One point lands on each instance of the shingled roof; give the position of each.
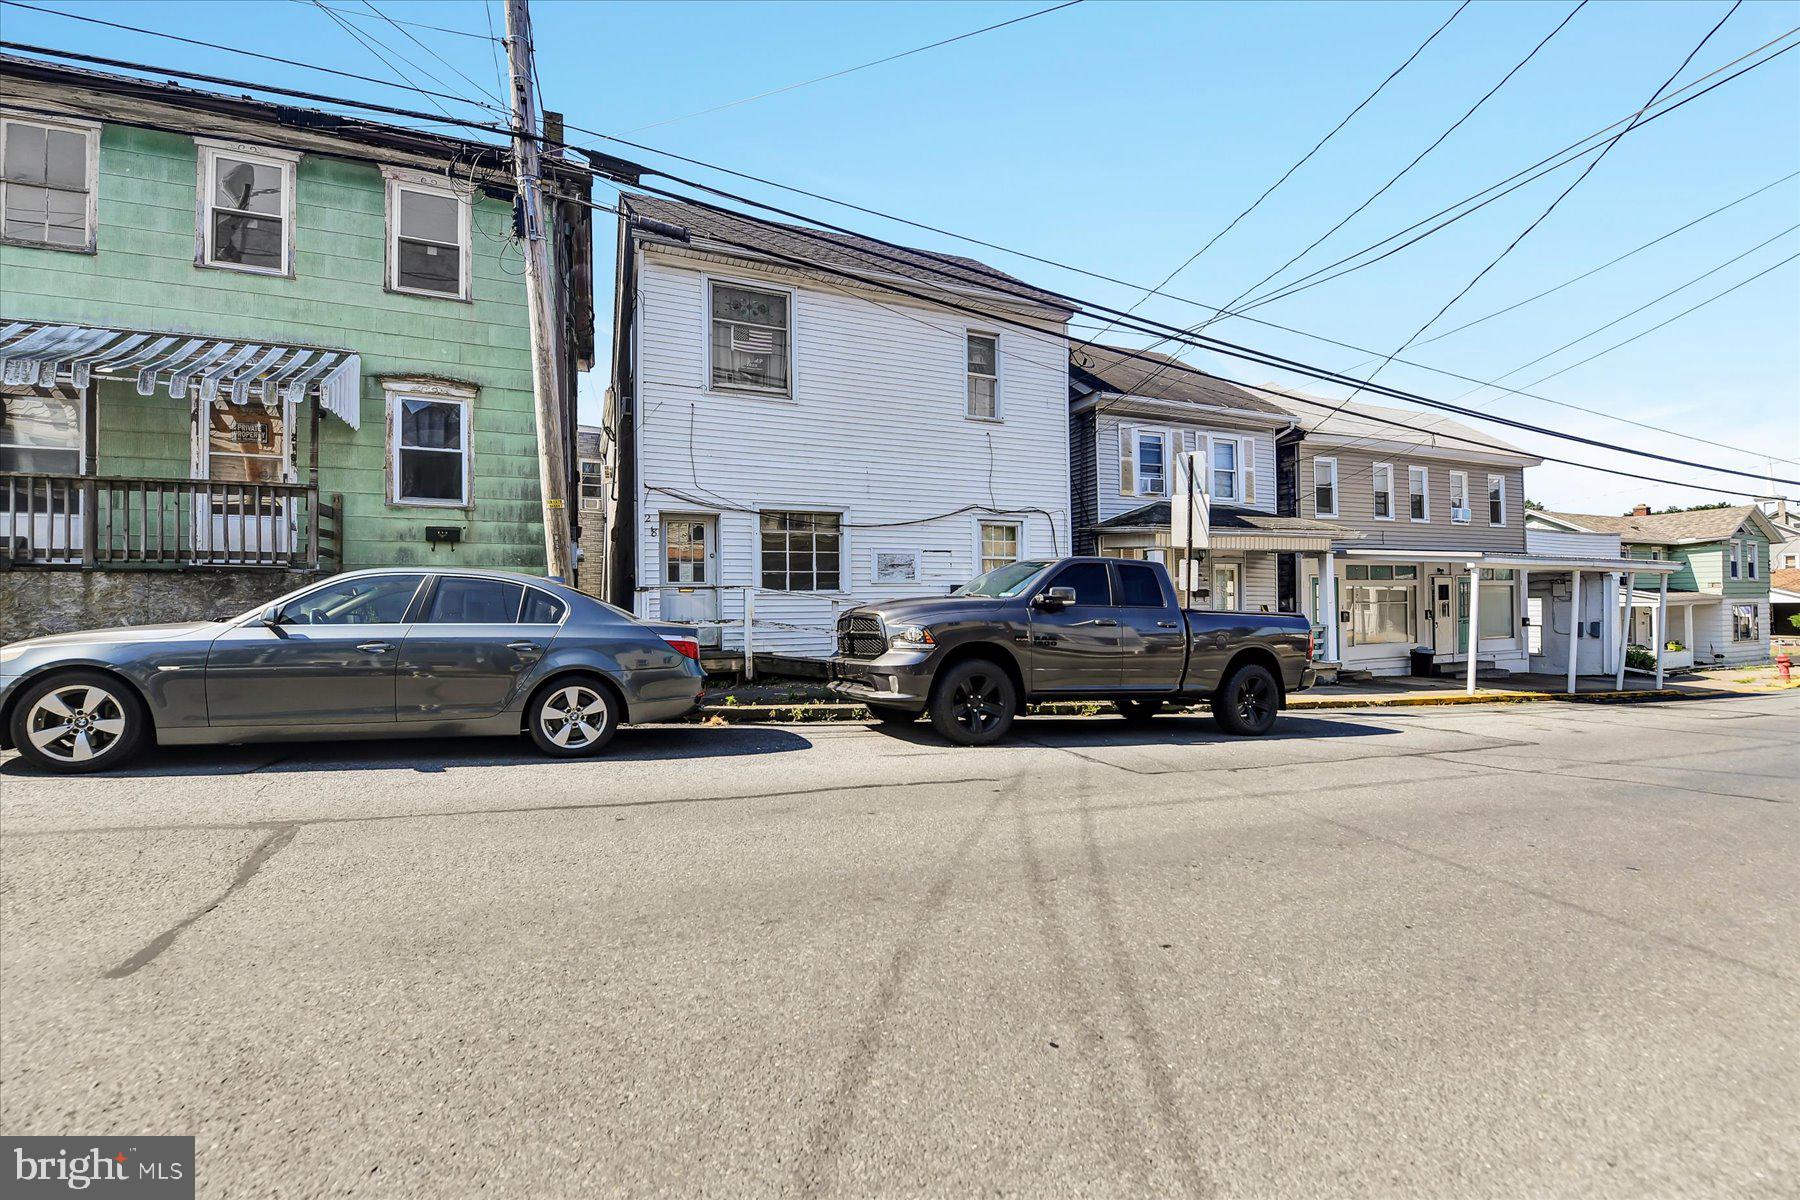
(732, 233)
(1701, 525)
(1161, 377)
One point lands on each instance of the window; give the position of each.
(1224, 469)
(1152, 458)
(466, 601)
(358, 600)
(1325, 477)
(1752, 553)
(1225, 587)
(1089, 581)
(800, 551)
(984, 376)
(1496, 499)
(684, 550)
(428, 228)
(1498, 620)
(541, 608)
(246, 443)
(593, 485)
(1418, 493)
(246, 209)
(1744, 623)
(47, 182)
(429, 439)
(1139, 586)
(40, 431)
(749, 339)
(1379, 573)
(1383, 480)
(1734, 560)
(1459, 497)
(1381, 614)
(999, 544)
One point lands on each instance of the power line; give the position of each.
(382, 58)
(350, 12)
(1043, 12)
(423, 46)
(1298, 163)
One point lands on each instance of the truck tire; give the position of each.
(1138, 712)
(1247, 701)
(973, 703)
(891, 716)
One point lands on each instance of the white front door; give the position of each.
(690, 572)
(242, 446)
(1448, 595)
(1225, 596)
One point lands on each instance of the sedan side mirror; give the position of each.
(1055, 598)
(271, 616)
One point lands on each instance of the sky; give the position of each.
(1120, 138)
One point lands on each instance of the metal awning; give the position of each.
(223, 369)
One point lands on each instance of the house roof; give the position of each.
(865, 256)
(1701, 525)
(1225, 519)
(1161, 377)
(1785, 580)
(1374, 423)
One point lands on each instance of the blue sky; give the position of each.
(1120, 137)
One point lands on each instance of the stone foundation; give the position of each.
(36, 602)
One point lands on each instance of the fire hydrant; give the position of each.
(1785, 666)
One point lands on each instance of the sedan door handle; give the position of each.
(375, 647)
(522, 647)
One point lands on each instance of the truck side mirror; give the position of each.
(1055, 598)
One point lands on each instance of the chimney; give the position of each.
(1642, 510)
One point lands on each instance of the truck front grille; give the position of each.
(860, 637)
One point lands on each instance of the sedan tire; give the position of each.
(572, 717)
(78, 721)
(973, 703)
(1247, 702)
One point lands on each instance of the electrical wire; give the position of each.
(366, 44)
(427, 49)
(350, 12)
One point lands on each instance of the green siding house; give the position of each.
(242, 343)
(1718, 602)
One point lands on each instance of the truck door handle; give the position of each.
(522, 647)
(375, 647)
(1165, 624)
(1101, 621)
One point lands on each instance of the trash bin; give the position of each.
(1422, 658)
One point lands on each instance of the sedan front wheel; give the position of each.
(78, 721)
(572, 718)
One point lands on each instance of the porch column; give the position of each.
(1328, 603)
(1624, 631)
(1687, 621)
(1662, 631)
(1474, 619)
(1574, 624)
(1521, 626)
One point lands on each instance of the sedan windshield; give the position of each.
(1002, 583)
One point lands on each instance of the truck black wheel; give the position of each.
(1138, 712)
(891, 716)
(973, 703)
(1247, 702)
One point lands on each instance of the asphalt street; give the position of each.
(1540, 950)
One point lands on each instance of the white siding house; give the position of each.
(795, 443)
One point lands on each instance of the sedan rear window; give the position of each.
(463, 601)
(541, 608)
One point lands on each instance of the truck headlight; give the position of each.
(911, 637)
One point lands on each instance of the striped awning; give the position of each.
(221, 370)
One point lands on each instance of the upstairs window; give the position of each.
(1418, 493)
(1496, 485)
(1459, 497)
(1752, 558)
(1382, 479)
(1152, 464)
(246, 210)
(1225, 469)
(428, 231)
(1325, 478)
(47, 183)
(750, 339)
(984, 376)
(1735, 558)
(593, 485)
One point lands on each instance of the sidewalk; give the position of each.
(794, 701)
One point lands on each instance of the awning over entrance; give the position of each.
(223, 370)
(1234, 529)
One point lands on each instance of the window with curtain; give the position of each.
(749, 338)
(1744, 623)
(1459, 497)
(1224, 469)
(1382, 481)
(430, 450)
(1152, 456)
(999, 544)
(1382, 614)
(40, 431)
(1418, 494)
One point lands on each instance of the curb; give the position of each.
(827, 712)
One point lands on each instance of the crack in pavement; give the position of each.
(264, 851)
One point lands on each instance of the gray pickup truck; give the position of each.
(1075, 628)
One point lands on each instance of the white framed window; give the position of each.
(1227, 469)
(1735, 560)
(1459, 497)
(49, 182)
(246, 208)
(1325, 480)
(1382, 501)
(751, 338)
(428, 251)
(429, 438)
(1499, 594)
(1152, 463)
(801, 551)
(983, 362)
(1000, 544)
(1418, 493)
(593, 485)
(41, 430)
(1752, 559)
(1496, 488)
(1744, 622)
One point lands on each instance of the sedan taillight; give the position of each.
(684, 646)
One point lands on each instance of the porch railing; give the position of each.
(114, 521)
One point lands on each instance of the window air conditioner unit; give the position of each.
(1459, 514)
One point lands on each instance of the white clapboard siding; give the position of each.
(1182, 437)
(875, 430)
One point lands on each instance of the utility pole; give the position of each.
(540, 294)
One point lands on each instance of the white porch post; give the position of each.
(1687, 619)
(1624, 630)
(1662, 632)
(1474, 620)
(1328, 601)
(1574, 624)
(750, 633)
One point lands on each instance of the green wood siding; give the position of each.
(144, 277)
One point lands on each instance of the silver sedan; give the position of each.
(384, 654)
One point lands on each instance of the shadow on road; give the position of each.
(433, 755)
(1062, 732)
